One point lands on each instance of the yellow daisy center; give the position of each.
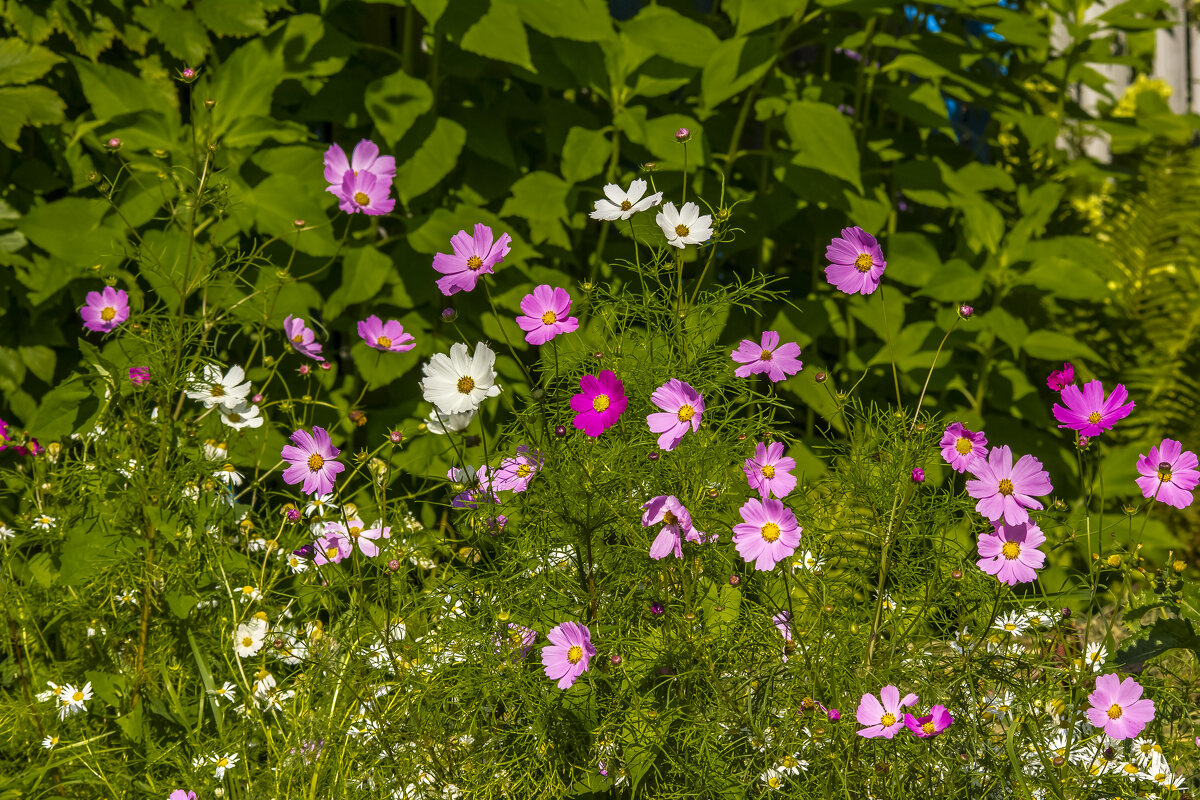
(474, 263)
(887, 719)
(315, 462)
(1010, 550)
(686, 412)
(361, 198)
(549, 318)
(222, 762)
(670, 518)
(466, 384)
(575, 654)
(1006, 487)
(1094, 417)
(768, 471)
(626, 205)
(770, 532)
(928, 728)
(864, 262)
(1114, 711)
(601, 402)
(108, 313)
(681, 230)
(77, 697)
(963, 445)
(384, 341)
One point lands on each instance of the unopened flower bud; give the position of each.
(1114, 560)
(209, 103)
(293, 514)
(92, 177)
(113, 144)
(734, 580)
(1066, 613)
(965, 311)
(653, 455)
(393, 565)
(723, 213)
(449, 315)
(188, 74)
(1083, 442)
(560, 430)
(1179, 565)
(649, 166)
(298, 224)
(713, 494)
(820, 377)
(615, 660)
(918, 475)
(834, 715)
(396, 437)
(304, 369)
(683, 136)
(957, 574)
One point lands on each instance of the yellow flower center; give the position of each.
(77, 697)
(549, 318)
(601, 402)
(315, 462)
(770, 532)
(626, 205)
(361, 198)
(681, 230)
(963, 445)
(1006, 487)
(474, 263)
(1131, 769)
(774, 782)
(355, 531)
(523, 471)
(247, 590)
(765, 355)
(864, 262)
(887, 720)
(768, 471)
(222, 762)
(384, 341)
(928, 728)
(108, 313)
(670, 518)
(1094, 417)
(466, 384)
(1164, 475)
(1114, 711)
(247, 641)
(575, 654)
(1010, 550)
(686, 412)
(331, 552)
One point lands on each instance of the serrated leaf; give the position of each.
(237, 94)
(824, 139)
(179, 31)
(395, 102)
(667, 33)
(499, 35)
(112, 92)
(22, 63)
(232, 17)
(1164, 635)
(27, 105)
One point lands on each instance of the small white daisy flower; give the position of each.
(43, 522)
(49, 742)
(214, 450)
(249, 637)
(229, 475)
(222, 763)
(226, 691)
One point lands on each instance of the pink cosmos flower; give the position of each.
(767, 534)
(676, 526)
(1060, 379)
(600, 403)
(783, 624)
(768, 356)
(518, 642)
(936, 721)
(961, 448)
(139, 376)
(883, 718)
(1117, 707)
(856, 262)
(769, 472)
(366, 193)
(355, 533)
(311, 456)
(1011, 552)
(386, 336)
(478, 483)
(301, 337)
(331, 549)
(682, 407)
(180, 794)
(1005, 491)
(567, 655)
(1088, 412)
(365, 158)
(105, 310)
(1168, 474)
(473, 256)
(515, 473)
(547, 314)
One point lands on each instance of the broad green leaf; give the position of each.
(237, 95)
(734, 66)
(1053, 346)
(27, 105)
(282, 198)
(40, 360)
(911, 258)
(983, 222)
(364, 271)
(954, 282)
(395, 102)
(499, 35)
(579, 20)
(431, 10)
(22, 63)
(538, 195)
(58, 411)
(754, 14)
(1165, 635)
(667, 33)
(232, 17)
(72, 229)
(113, 92)
(179, 31)
(585, 154)
(824, 139)
(433, 160)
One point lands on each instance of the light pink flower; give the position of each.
(181, 794)
(301, 337)
(883, 718)
(1005, 491)
(365, 158)
(961, 447)
(332, 549)
(479, 490)
(1118, 707)
(311, 456)
(386, 336)
(768, 356)
(473, 256)
(682, 407)
(676, 526)
(567, 655)
(547, 314)
(767, 534)
(1011, 552)
(356, 533)
(105, 310)
(365, 192)
(769, 472)
(1168, 474)
(515, 473)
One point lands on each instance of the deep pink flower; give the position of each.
(1011, 552)
(301, 337)
(367, 193)
(767, 534)
(768, 356)
(1088, 412)
(1117, 707)
(600, 403)
(883, 718)
(515, 473)
(856, 262)
(311, 456)
(936, 721)
(139, 376)
(918, 475)
(769, 472)
(332, 549)
(547, 314)
(386, 336)
(1168, 474)
(1060, 379)
(180, 794)
(682, 407)
(473, 256)
(1005, 491)
(567, 655)
(105, 310)
(676, 526)
(961, 448)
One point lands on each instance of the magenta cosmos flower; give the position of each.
(473, 256)
(363, 183)
(566, 657)
(682, 406)
(1168, 474)
(139, 376)
(1118, 707)
(386, 336)
(1011, 552)
(1088, 412)
(105, 310)
(884, 718)
(767, 534)
(1060, 379)
(1005, 491)
(856, 262)
(311, 456)
(769, 472)
(930, 725)
(961, 448)
(182, 794)
(676, 526)
(301, 337)
(600, 403)
(768, 356)
(547, 314)
(515, 473)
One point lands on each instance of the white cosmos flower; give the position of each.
(685, 226)
(214, 389)
(244, 416)
(442, 423)
(250, 636)
(459, 382)
(622, 205)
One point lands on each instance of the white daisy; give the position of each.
(296, 564)
(264, 682)
(459, 382)
(229, 475)
(1094, 656)
(791, 765)
(214, 450)
(772, 779)
(49, 742)
(249, 594)
(250, 636)
(1012, 622)
(214, 389)
(808, 561)
(6, 532)
(126, 598)
(226, 691)
(320, 504)
(43, 522)
(1145, 751)
(685, 226)
(222, 763)
(441, 423)
(622, 205)
(245, 415)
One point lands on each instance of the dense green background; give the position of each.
(818, 115)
